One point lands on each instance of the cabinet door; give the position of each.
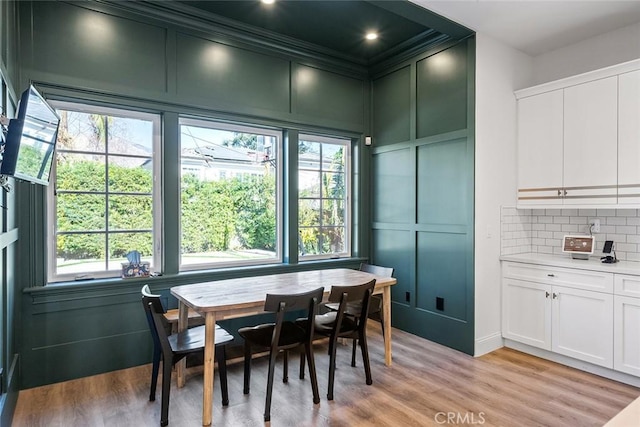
(540, 149)
(526, 312)
(629, 138)
(590, 142)
(582, 325)
(626, 340)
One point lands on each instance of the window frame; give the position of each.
(156, 194)
(348, 226)
(280, 230)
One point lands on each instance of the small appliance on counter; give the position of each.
(580, 247)
(607, 249)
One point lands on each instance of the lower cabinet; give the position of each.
(573, 322)
(582, 325)
(627, 334)
(526, 312)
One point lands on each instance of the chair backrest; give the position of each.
(152, 304)
(354, 300)
(280, 304)
(290, 302)
(376, 269)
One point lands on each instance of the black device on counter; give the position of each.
(608, 247)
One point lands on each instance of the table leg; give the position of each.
(183, 323)
(386, 318)
(209, 357)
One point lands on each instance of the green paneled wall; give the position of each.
(346, 101)
(214, 75)
(391, 102)
(394, 186)
(442, 178)
(423, 182)
(79, 44)
(441, 98)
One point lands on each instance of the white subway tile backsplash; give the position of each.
(542, 230)
(582, 220)
(626, 212)
(606, 212)
(587, 212)
(569, 212)
(626, 247)
(616, 220)
(626, 229)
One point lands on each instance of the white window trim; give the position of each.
(244, 128)
(52, 274)
(345, 142)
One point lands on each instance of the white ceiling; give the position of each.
(536, 26)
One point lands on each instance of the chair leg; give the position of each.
(157, 354)
(247, 367)
(272, 367)
(382, 325)
(302, 366)
(221, 356)
(285, 367)
(353, 353)
(312, 372)
(332, 366)
(166, 389)
(365, 356)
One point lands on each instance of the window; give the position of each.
(323, 189)
(229, 212)
(102, 198)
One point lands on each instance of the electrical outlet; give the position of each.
(595, 226)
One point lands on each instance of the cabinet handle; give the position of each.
(551, 275)
(546, 294)
(565, 192)
(555, 295)
(559, 192)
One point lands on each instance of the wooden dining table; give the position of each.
(230, 298)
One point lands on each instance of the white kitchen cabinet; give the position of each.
(526, 312)
(582, 325)
(626, 335)
(629, 138)
(578, 140)
(590, 142)
(563, 319)
(626, 324)
(540, 152)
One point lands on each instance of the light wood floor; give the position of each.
(426, 384)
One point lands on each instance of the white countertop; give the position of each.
(628, 417)
(593, 263)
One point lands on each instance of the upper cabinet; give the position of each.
(579, 140)
(629, 138)
(540, 148)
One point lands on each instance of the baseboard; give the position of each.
(488, 344)
(575, 363)
(9, 400)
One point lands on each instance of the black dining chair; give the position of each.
(283, 335)
(349, 320)
(171, 348)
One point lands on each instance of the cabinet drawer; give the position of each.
(627, 285)
(570, 277)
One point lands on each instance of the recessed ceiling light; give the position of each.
(268, 1)
(371, 35)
